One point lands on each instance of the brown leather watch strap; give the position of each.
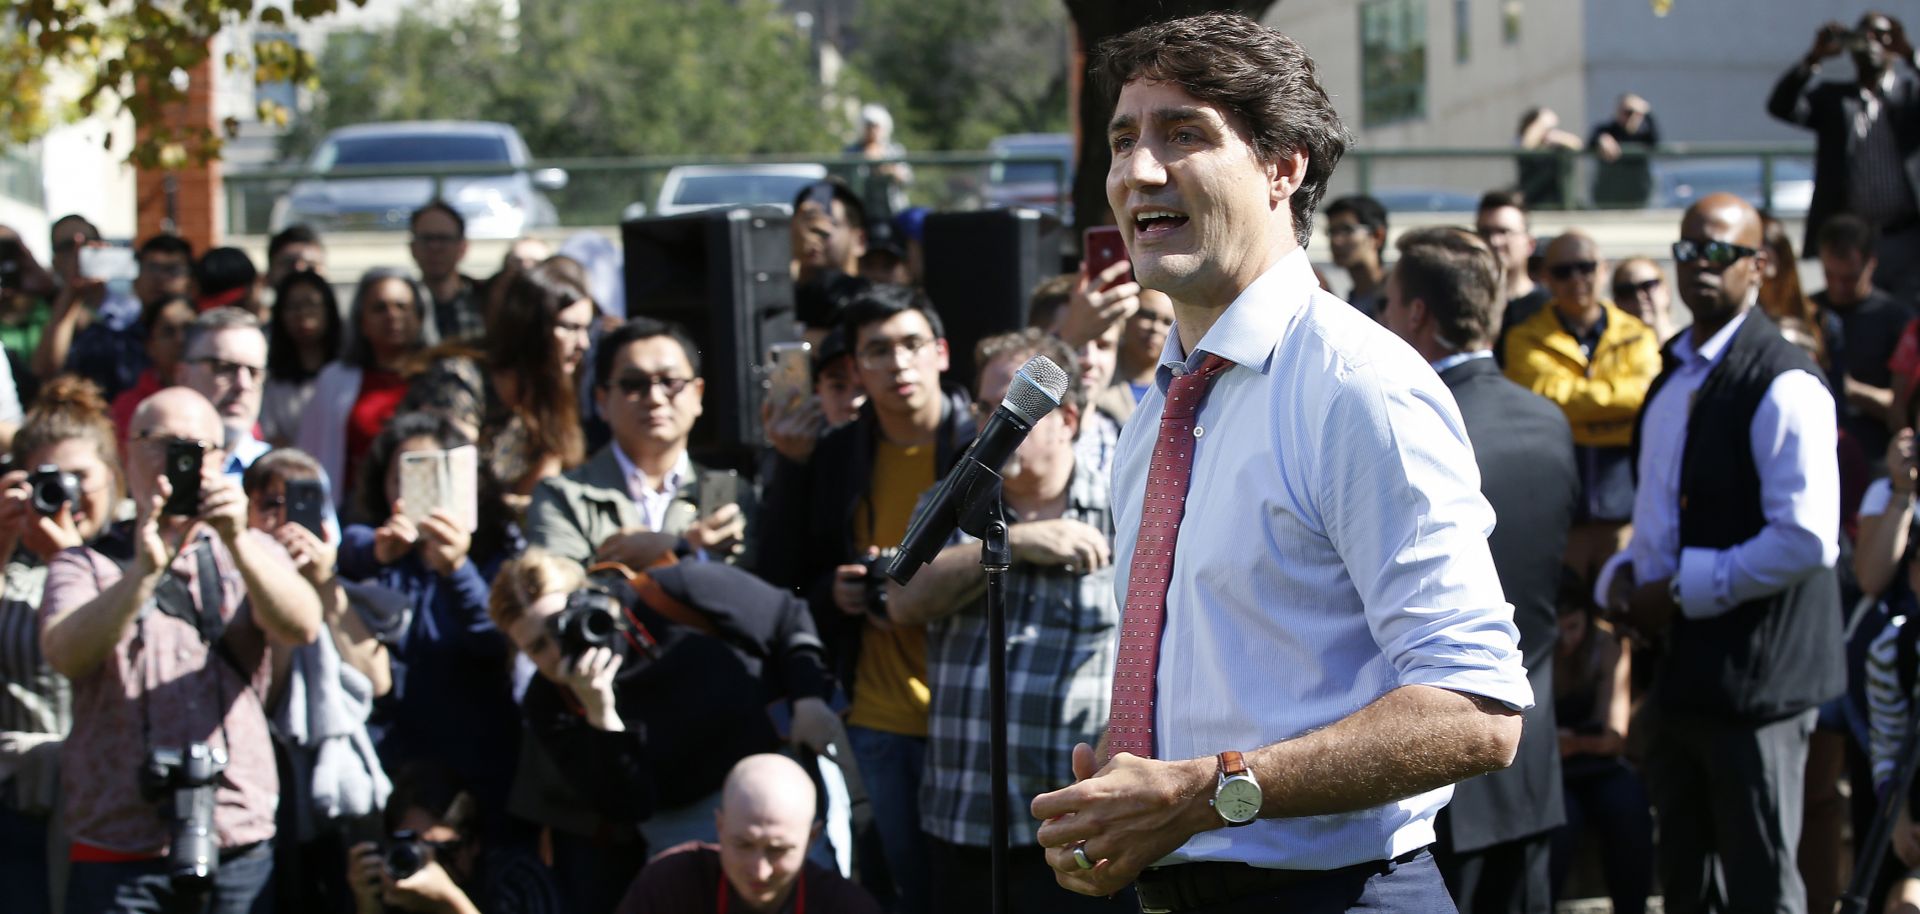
(1231, 764)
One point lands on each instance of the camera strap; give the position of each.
(172, 597)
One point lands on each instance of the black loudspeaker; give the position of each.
(980, 269)
(721, 274)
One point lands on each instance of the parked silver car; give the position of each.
(495, 206)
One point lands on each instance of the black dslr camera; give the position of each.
(876, 580)
(182, 782)
(592, 618)
(50, 487)
(406, 854)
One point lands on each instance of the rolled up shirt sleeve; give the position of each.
(1411, 525)
(1794, 443)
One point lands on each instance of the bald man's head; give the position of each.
(765, 823)
(1573, 268)
(173, 414)
(1721, 260)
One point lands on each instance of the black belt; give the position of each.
(1187, 886)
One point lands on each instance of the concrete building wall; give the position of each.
(1708, 65)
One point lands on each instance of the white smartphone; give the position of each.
(442, 481)
(789, 373)
(108, 263)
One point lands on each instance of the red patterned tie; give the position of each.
(1130, 728)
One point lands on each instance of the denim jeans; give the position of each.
(890, 766)
(142, 887)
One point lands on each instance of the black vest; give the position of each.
(1777, 655)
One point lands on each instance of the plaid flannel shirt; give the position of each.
(1062, 632)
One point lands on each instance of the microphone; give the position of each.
(1037, 388)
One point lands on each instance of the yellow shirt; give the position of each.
(890, 682)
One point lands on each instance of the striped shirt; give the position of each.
(1061, 632)
(1886, 697)
(36, 699)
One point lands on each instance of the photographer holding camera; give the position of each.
(62, 496)
(650, 687)
(168, 772)
(436, 857)
(1866, 155)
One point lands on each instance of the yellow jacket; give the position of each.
(1601, 396)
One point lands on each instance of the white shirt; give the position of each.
(1794, 446)
(653, 501)
(1334, 549)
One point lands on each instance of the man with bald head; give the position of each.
(1595, 361)
(765, 822)
(1735, 538)
(164, 627)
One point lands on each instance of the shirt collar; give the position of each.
(1461, 358)
(682, 468)
(1716, 345)
(1250, 329)
(244, 453)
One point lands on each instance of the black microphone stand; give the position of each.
(982, 514)
(1870, 852)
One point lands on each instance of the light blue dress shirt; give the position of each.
(1333, 549)
(1794, 440)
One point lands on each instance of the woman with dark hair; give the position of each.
(163, 324)
(302, 336)
(451, 700)
(68, 431)
(529, 394)
(391, 319)
(1782, 298)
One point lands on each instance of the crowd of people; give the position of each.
(421, 601)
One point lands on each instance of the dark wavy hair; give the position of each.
(283, 354)
(520, 345)
(1259, 76)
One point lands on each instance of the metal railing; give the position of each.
(601, 191)
(1770, 175)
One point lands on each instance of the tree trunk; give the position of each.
(1095, 21)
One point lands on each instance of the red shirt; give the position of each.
(380, 393)
(686, 879)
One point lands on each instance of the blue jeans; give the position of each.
(890, 766)
(142, 887)
(1608, 797)
(23, 862)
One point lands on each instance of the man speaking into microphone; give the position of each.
(1314, 643)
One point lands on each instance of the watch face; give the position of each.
(1238, 800)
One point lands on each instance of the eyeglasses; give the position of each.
(879, 354)
(636, 386)
(1567, 270)
(1632, 289)
(436, 238)
(572, 329)
(225, 370)
(1346, 228)
(168, 441)
(163, 269)
(1715, 253)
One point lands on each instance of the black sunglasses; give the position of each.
(1715, 253)
(1631, 289)
(1567, 270)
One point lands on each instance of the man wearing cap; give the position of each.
(637, 499)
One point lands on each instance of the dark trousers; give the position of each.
(1730, 797)
(1413, 887)
(1606, 798)
(143, 887)
(23, 862)
(961, 879)
(1512, 877)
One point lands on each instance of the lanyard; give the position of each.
(799, 894)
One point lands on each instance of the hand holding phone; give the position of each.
(108, 263)
(306, 501)
(1104, 248)
(183, 466)
(789, 373)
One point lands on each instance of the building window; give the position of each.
(1393, 54)
(1462, 31)
(1510, 21)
